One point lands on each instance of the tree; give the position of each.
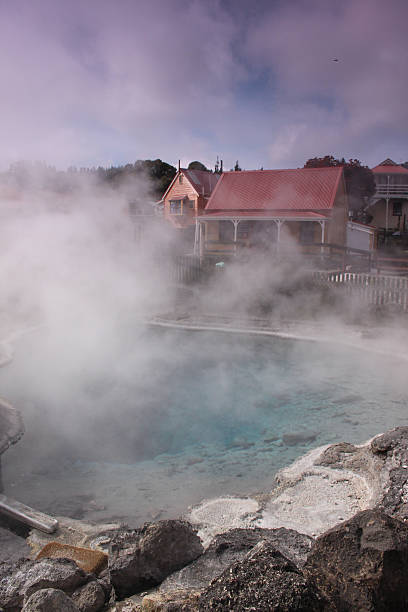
(196, 165)
(360, 184)
(236, 167)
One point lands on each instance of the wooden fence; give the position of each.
(374, 289)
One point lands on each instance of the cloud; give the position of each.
(97, 82)
(342, 106)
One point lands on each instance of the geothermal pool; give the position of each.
(155, 420)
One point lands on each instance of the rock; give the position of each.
(11, 425)
(90, 597)
(142, 558)
(49, 600)
(104, 581)
(301, 437)
(390, 440)
(232, 546)
(362, 564)
(27, 577)
(263, 580)
(392, 447)
(172, 601)
(335, 454)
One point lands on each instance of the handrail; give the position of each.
(390, 190)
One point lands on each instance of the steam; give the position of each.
(98, 387)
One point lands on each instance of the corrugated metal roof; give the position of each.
(387, 168)
(281, 190)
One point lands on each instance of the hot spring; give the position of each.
(164, 418)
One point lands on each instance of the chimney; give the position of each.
(221, 166)
(179, 166)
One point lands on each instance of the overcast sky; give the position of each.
(97, 82)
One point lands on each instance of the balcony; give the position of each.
(391, 191)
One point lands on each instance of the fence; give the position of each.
(374, 289)
(186, 269)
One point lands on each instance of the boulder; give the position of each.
(49, 600)
(263, 580)
(27, 577)
(90, 597)
(232, 546)
(142, 558)
(362, 564)
(392, 447)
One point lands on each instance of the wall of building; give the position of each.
(336, 232)
(181, 190)
(378, 212)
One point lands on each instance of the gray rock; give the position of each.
(263, 580)
(27, 577)
(232, 546)
(49, 600)
(390, 440)
(362, 564)
(90, 597)
(335, 454)
(392, 447)
(104, 581)
(142, 558)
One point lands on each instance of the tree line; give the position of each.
(359, 179)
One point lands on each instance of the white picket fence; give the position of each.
(375, 289)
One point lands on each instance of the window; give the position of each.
(307, 231)
(176, 207)
(189, 203)
(243, 230)
(397, 209)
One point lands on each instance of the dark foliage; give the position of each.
(196, 165)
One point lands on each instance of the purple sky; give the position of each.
(98, 82)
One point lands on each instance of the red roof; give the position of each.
(304, 189)
(389, 167)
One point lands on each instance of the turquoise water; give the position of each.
(183, 415)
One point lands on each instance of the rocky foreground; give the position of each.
(332, 536)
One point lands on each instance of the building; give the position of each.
(263, 208)
(187, 196)
(388, 207)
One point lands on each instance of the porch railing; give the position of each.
(391, 191)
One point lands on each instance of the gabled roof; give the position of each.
(388, 166)
(303, 189)
(201, 181)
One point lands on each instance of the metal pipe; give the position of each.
(27, 515)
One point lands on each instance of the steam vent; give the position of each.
(11, 429)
